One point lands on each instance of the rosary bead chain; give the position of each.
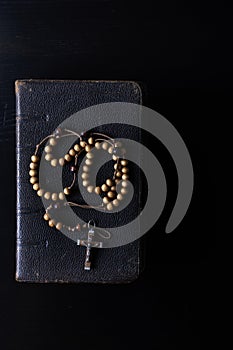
(68, 156)
(77, 228)
(108, 189)
(54, 162)
(41, 192)
(58, 224)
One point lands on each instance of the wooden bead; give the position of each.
(86, 168)
(72, 152)
(87, 148)
(48, 149)
(91, 140)
(48, 157)
(113, 188)
(61, 161)
(78, 227)
(109, 206)
(85, 176)
(53, 162)
(77, 148)
(32, 172)
(117, 166)
(117, 181)
(114, 157)
(105, 145)
(61, 196)
(40, 192)
(124, 162)
(36, 186)
(47, 195)
(33, 180)
(85, 183)
(88, 161)
(98, 145)
(66, 191)
(119, 197)
(33, 166)
(106, 200)
(115, 202)
(59, 226)
(124, 190)
(46, 216)
(97, 190)
(34, 158)
(82, 144)
(90, 189)
(104, 188)
(51, 223)
(111, 194)
(90, 155)
(117, 144)
(118, 173)
(109, 182)
(124, 170)
(110, 150)
(54, 196)
(125, 176)
(124, 184)
(68, 157)
(52, 142)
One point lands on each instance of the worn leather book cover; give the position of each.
(43, 255)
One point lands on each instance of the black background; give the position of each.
(179, 51)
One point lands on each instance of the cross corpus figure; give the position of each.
(89, 243)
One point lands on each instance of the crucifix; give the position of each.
(89, 243)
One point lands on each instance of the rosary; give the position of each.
(112, 191)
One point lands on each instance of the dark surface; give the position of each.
(180, 51)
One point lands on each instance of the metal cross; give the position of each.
(89, 243)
